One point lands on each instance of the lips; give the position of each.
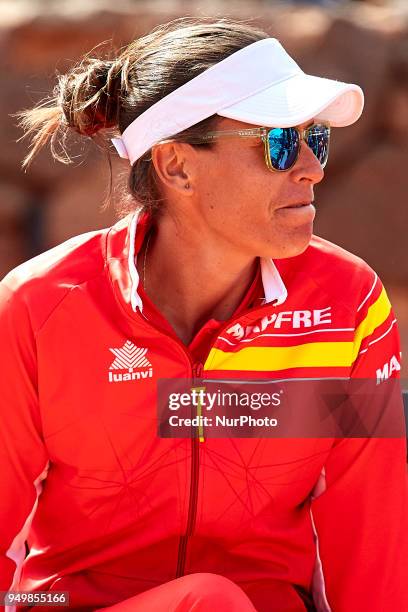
(297, 205)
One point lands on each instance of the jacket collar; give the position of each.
(123, 243)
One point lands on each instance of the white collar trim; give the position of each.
(274, 287)
(135, 299)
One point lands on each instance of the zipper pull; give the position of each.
(198, 370)
(197, 377)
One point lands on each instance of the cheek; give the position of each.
(239, 181)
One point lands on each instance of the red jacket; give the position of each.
(110, 509)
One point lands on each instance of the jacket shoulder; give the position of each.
(342, 276)
(322, 252)
(42, 282)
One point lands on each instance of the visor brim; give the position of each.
(299, 99)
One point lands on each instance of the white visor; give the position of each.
(259, 84)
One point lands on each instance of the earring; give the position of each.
(187, 186)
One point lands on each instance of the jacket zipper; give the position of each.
(197, 370)
(193, 496)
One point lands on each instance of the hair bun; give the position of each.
(89, 95)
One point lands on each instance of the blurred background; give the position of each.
(362, 204)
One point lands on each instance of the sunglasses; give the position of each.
(281, 145)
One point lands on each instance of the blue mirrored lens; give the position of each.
(283, 147)
(318, 141)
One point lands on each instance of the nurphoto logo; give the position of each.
(132, 362)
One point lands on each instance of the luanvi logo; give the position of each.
(132, 359)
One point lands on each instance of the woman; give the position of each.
(214, 274)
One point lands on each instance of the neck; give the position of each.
(191, 278)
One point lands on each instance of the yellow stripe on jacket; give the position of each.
(263, 359)
(376, 315)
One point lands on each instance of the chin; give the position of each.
(293, 245)
(299, 248)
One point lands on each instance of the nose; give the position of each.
(307, 167)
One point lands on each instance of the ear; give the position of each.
(174, 165)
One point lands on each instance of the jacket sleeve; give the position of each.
(23, 457)
(360, 510)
